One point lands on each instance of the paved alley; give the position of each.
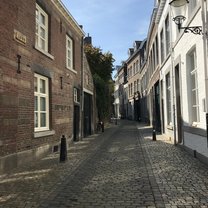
(121, 167)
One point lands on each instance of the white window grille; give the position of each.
(41, 38)
(41, 103)
(193, 87)
(69, 53)
(168, 99)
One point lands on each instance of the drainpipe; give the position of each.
(82, 87)
(204, 7)
(173, 79)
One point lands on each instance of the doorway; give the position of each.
(178, 104)
(87, 114)
(157, 107)
(76, 122)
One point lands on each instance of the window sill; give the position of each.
(44, 52)
(169, 127)
(74, 71)
(194, 124)
(44, 133)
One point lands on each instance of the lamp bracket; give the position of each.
(197, 30)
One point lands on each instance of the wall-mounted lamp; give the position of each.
(179, 8)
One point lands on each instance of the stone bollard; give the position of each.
(63, 149)
(153, 135)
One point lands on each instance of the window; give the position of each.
(162, 46)
(168, 99)
(156, 48)
(129, 90)
(167, 34)
(154, 56)
(153, 60)
(69, 53)
(134, 69)
(193, 87)
(41, 38)
(137, 66)
(135, 86)
(87, 79)
(76, 95)
(138, 84)
(41, 105)
(191, 6)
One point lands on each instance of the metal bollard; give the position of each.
(63, 150)
(153, 135)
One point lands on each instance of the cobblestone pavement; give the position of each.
(182, 179)
(122, 167)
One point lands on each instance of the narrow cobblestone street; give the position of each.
(122, 167)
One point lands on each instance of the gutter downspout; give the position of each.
(205, 45)
(173, 78)
(82, 88)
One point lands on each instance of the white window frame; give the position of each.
(40, 26)
(76, 94)
(69, 54)
(194, 102)
(162, 46)
(168, 99)
(167, 35)
(38, 111)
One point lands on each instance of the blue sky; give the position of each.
(113, 24)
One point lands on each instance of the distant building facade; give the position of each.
(173, 80)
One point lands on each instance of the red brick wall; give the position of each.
(17, 90)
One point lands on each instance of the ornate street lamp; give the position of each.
(179, 8)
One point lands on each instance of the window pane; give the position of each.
(36, 13)
(194, 114)
(42, 86)
(42, 44)
(42, 19)
(193, 98)
(42, 33)
(42, 119)
(36, 103)
(193, 82)
(69, 54)
(69, 44)
(36, 28)
(192, 62)
(42, 104)
(35, 84)
(69, 63)
(36, 120)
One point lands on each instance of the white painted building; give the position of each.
(182, 76)
(188, 68)
(174, 79)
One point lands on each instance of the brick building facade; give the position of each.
(41, 69)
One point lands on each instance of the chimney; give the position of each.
(88, 40)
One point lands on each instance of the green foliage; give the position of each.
(101, 65)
